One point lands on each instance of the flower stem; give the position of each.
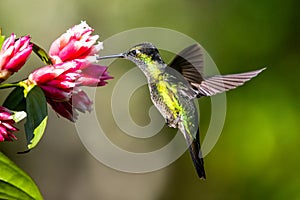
(9, 85)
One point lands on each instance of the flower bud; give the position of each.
(76, 43)
(13, 55)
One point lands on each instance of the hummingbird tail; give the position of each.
(221, 83)
(196, 154)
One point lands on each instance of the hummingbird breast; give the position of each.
(166, 102)
(168, 98)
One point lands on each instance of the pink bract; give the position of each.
(13, 55)
(77, 43)
(6, 125)
(60, 83)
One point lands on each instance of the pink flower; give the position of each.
(13, 55)
(60, 84)
(71, 69)
(76, 43)
(93, 75)
(68, 109)
(6, 125)
(57, 81)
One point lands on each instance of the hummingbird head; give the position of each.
(145, 56)
(141, 54)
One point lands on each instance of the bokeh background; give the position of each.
(257, 155)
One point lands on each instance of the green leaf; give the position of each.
(2, 38)
(16, 100)
(33, 101)
(38, 133)
(37, 115)
(42, 54)
(15, 183)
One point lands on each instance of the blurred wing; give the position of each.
(218, 84)
(189, 62)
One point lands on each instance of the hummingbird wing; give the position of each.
(218, 83)
(189, 62)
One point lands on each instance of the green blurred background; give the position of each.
(257, 155)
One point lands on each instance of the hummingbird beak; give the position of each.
(121, 55)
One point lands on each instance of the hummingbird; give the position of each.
(173, 88)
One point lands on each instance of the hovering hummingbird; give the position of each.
(174, 87)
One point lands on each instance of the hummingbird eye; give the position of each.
(133, 52)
